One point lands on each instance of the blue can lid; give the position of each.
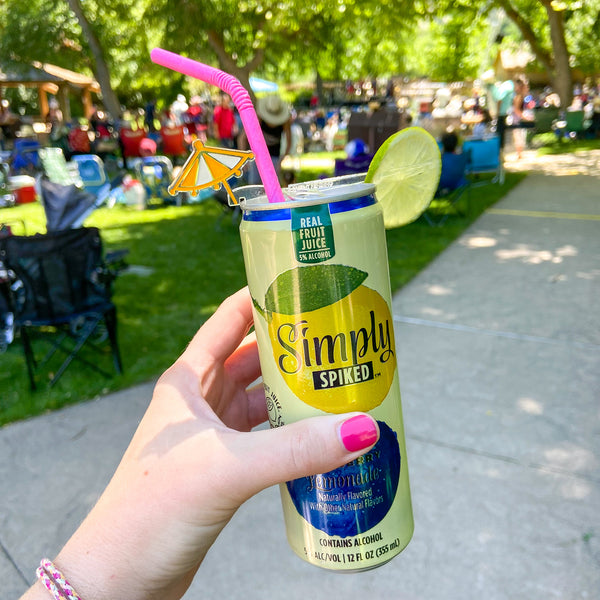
(285, 214)
(341, 194)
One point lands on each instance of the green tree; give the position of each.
(542, 25)
(287, 37)
(102, 38)
(552, 29)
(98, 59)
(583, 36)
(449, 47)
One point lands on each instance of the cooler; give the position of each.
(23, 188)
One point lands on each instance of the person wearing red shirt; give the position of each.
(224, 122)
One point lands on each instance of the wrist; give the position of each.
(96, 560)
(94, 574)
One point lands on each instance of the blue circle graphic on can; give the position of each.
(354, 498)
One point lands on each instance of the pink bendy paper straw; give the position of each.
(241, 99)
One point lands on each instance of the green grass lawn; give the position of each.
(185, 261)
(548, 143)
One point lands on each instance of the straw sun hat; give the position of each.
(272, 110)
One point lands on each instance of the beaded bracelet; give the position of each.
(55, 581)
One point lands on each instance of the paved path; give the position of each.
(499, 359)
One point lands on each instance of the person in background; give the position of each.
(100, 123)
(191, 464)
(275, 121)
(224, 124)
(10, 123)
(519, 115)
(482, 128)
(453, 163)
(502, 93)
(54, 117)
(147, 147)
(196, 118)
(58, 128)
(78, 139)
(178, 109)
(150, 115)
(594, 128)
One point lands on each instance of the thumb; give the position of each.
(307, 447)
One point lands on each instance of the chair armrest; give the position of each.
(113, 264)
(115, 256)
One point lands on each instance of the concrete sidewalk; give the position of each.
(499, 360)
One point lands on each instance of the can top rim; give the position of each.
(300, 195)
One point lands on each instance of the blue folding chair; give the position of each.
(25, 157)
(453, 183)
(84, 173)
(484, 157)
(156, 174)
(92, 173)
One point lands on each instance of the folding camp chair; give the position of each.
(70, 192)
(57, 169)
(156, 174)
(453, 184)
(64, 294)
(572, 125)
(65, 206)
(544, 120)
(92, 173)
(130, 143)
(24, 158)
(484, 157)
(173, 142)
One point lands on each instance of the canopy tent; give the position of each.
(262, 85)
(509, 64)
(50, 79)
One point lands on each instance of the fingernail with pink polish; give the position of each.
(358, 432)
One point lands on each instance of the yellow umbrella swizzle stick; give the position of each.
(209, 166)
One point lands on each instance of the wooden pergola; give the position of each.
(50, 79)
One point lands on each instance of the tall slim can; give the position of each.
(317, 270)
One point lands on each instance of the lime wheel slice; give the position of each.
(406, 171)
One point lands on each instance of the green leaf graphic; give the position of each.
(303, 289)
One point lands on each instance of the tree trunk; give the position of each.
(101, 71)
(562, 80)
(556, 63)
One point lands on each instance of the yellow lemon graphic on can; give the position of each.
(332, 337)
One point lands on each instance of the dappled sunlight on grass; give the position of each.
(562, 159)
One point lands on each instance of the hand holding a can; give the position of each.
(192, 462)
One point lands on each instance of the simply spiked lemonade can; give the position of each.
(317, 271)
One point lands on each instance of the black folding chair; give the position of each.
(63, 288)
